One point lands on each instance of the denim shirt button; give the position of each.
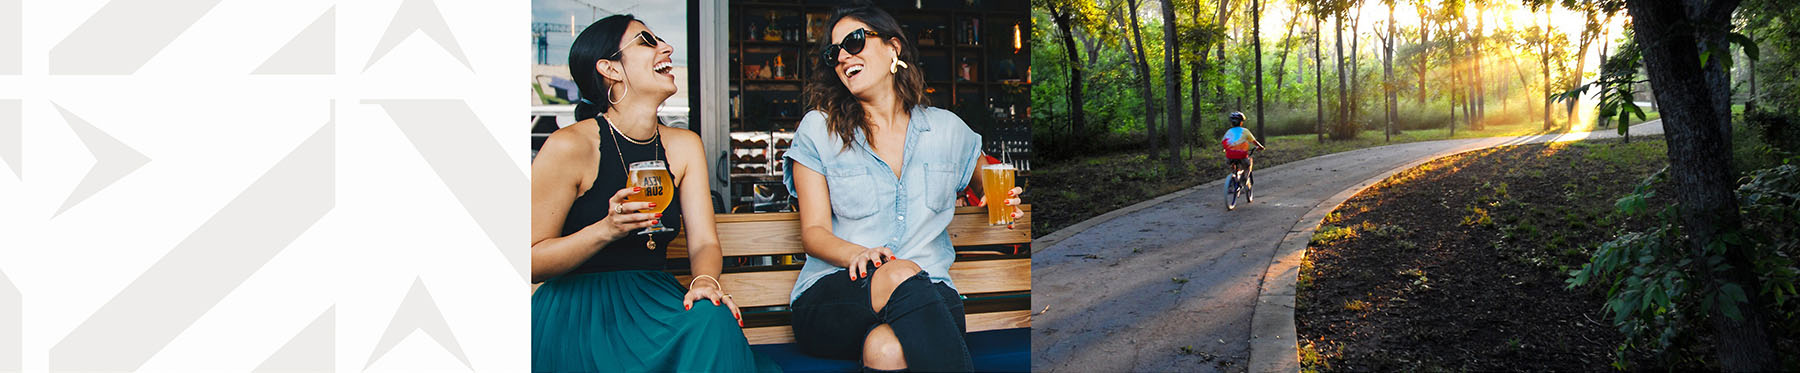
(902, 217)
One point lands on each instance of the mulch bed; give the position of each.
(1460, 264)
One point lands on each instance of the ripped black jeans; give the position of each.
(832, 317)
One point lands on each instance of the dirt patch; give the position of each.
(1459, 264)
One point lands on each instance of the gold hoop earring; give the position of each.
(609, 95)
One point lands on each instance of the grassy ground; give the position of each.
(1085, 187)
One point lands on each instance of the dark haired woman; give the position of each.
(605, 303)
(876, 172)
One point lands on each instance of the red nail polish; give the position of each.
(657, 215)
(637, 189)
(653, 204)
(690, 307)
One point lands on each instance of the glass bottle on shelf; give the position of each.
(773, 32)
(780, 68)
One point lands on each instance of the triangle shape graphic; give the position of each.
(112, 160)
(418, 16)
(312, 52)
(418, 312)
(314, 349)
(12, 136)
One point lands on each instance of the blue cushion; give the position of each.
(1005, 350)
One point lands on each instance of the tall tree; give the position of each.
(1343, 99)
(1065, 14)
(1387, 68)
(1355, 108)
(1143, 68)
(1424, 8)
(1543, 43)
(1172, 84)
(1318, 71)
(1286, 45)
(1696, 115)
(1256, 52)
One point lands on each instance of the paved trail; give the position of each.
(1171, 284)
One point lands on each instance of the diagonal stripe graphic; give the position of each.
(12, 136)
(206, 266)
(419, 311)
(112, 160)
(471, 163)
(119, 38)
(12, 36)
(418, 16)
(313, 350)
(313, 51)
(12, 327)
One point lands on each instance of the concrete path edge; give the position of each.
(1274, 339)
(1274, 314)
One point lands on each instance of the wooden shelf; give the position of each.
(986, 58)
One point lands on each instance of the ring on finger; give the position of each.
(619, 209)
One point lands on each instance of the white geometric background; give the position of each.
(238, 185)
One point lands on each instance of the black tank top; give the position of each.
(627, 253)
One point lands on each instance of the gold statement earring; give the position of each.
(895, 68)
(609, 95)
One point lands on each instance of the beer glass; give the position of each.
(659, 189)
(996, 182)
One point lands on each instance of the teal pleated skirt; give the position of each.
(633, 321)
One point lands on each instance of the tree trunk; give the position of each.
(1424, 47)
(1343, 103)
(1143, 68)
(1544, 55)
(1077, 113)
(1699, 137)
(1354, 110)
(1281, 68)
(1171, 85)
(1256, 50)
(1194, 81)
(1387, 69)
(1318, 74)
(1478, 43)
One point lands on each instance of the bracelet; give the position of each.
(709, 277)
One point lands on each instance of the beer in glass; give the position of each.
(659, 189)
(996, 182)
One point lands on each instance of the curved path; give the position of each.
(1179, 284)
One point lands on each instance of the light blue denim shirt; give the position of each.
(872, 208)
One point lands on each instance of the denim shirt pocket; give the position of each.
(851, 192)
(941, 191)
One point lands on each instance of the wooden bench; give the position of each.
(979, 275)
(992, 272)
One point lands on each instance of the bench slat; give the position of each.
(757, 289)
(777, 233)
(977, 322)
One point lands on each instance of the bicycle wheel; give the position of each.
(1249, 187)
(1230, 192)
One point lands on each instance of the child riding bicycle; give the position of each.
(1237, 143)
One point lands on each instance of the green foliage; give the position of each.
(1655, 289)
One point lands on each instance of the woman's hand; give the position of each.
(859, 264)
(709, 290)
(623, 217)
(1011, 200)
(1014, 201)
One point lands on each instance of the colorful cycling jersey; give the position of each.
(1237, 142)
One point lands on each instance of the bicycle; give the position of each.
(1241, 181)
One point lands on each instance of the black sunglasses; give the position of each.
(644, 38)
(853, 43)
